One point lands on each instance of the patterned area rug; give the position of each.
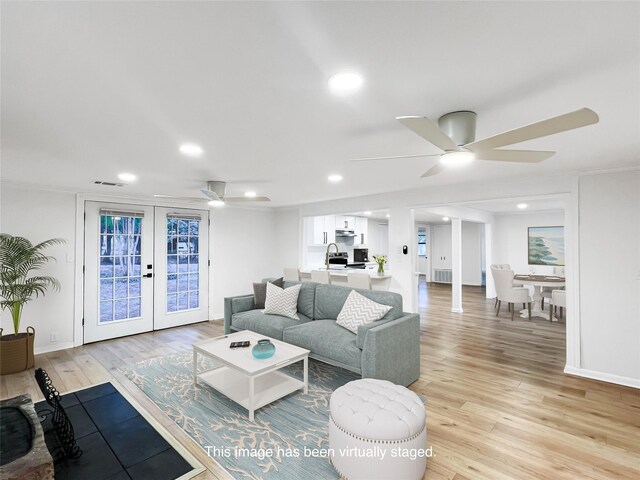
(264, 449)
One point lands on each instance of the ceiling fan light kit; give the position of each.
(457, 159)
(455, 134)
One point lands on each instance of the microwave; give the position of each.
(360, 254)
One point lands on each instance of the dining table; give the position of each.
(537, 282)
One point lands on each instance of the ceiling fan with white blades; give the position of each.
(455, 134)
(215, 195)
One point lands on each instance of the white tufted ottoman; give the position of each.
(377, 431)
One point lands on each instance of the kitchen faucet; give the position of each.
(327, 255)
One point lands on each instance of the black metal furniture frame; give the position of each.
(59, 418)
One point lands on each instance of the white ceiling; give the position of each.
(90, 89)
(504, 206)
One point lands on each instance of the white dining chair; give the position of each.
(320, 276)
(503, 280)
(545, 292)
(558, 299)
(499, 266)
(291, 275)
(359, 280)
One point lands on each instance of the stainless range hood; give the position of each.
(343, 232)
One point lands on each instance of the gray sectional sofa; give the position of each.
(388, 349)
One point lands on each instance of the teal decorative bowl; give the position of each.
(264, 349)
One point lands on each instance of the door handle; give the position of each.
(148, 275)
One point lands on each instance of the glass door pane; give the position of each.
(118, 295)
(181, 266)
(120, 268)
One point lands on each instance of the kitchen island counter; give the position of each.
(338, 276)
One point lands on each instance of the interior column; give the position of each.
(402, 265)
(456, 265)
(488, 244)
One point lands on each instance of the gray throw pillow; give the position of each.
(260, 291)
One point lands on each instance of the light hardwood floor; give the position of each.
(498, 404)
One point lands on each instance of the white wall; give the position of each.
(510, 238)
(377, 238)
(244, 249)
(40, 215)
(288, 235)
(609, 252)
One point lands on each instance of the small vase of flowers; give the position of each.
(381, 260)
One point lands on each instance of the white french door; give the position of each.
(146, 268)
(181, 280)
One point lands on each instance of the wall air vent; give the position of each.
(108, 184)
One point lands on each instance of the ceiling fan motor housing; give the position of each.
(217, 187)
(459, 126)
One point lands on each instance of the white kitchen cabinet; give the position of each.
(323, 230)
(330, 228)
(441, 247)
(361, 225)
(343, 222)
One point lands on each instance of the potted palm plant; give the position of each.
(19, 259)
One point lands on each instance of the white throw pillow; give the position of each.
(359, 310)
(282, 301)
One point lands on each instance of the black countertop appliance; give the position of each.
(360, 254)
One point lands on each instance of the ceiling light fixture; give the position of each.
(191, 150)
(388, 216)
(250, 194)
(368, 212)
(344, 83)
(335, 178)
(216, 203)
(127, 177)
(522, 206)
(457, 159)
(446, 219)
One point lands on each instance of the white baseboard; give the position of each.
(53, 348)
(605, 377)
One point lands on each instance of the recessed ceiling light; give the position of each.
(191, 149)
(127, 177)
(250, 194)
(388, 216)
(522, 206)
(367, 212)
(344, 83)
(457, 159)
(335, 178)
(216, 203)
(446, 219)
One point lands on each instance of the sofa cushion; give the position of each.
(264, 324)
(282, 301)
(330, 300)
(327, 339)
(306, 298)
(260, 291)
(359, 310)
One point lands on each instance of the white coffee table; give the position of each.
(247, 381)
